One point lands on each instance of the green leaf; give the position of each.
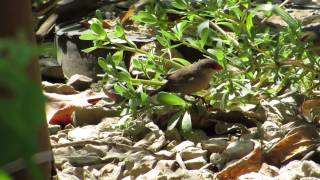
(120, 89)
(124, 76)
(170, 99)
(293, 23)
(99, 14)
(180, 28)
(145, 17)
(89, 37)
(144, 98)
(228, 25)
(4, 175)
(173, 121)
(186, 123)
(203, 32)
(220, 55)
(119, 31)
(168, 35)
(180, 4)
(204, 25)
(90, 49)
(163, 41)
(97, 27)
(102, 63)
(249, 24)
(181, 61)
(137, 63)
(117, 57)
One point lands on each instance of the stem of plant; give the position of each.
(147, 82)
(131, 49)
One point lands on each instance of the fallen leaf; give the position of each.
(308, 107)
(299, 140)
(59, 108)
(250, 163)
(128, 15)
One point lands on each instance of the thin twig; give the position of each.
(215, 26)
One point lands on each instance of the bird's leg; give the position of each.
(197, 98)
(200, 98)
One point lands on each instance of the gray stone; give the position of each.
(84, 133)
(193, 152)
(183, 145)
(214, 145)
(50, 68)
(53, 129)
(195, 163)
(79, 82)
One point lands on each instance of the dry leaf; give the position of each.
(60, 107)
(128, 15)
(250, 163)
(85, 23)
(307, 108)
(299, 140)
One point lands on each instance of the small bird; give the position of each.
(190, 79)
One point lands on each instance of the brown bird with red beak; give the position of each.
(190, 79)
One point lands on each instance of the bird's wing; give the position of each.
(182, 75)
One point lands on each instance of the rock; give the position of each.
(89, 174)
(85, 133)
(238, 149)
(166, 165)
(63, 141)
(270, 131)
(197, 136)
(193, 152)
(109, 171)
(214, 145)
(298, 169)
(60, 155)
(77, 171)
(269, 170)
(195, 163)
(183, 145)
(50, 69)
(68, 127)
(106, 124)
(63, 151)
(171, 144)
(153, 141)
(153, 174)
(165, 153)
(99, 150)
(82, 158)
(107, 134)
(62, 175)
(173, 135)
(53, 129)
(58, 88)
(62, 135)
(254, 176)
(138, 163)
(119, 140)
(91, 115)
(79, 82)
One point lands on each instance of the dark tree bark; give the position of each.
(16, 16)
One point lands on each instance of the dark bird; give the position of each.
(190, 79)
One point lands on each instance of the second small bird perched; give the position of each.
(190, 79)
